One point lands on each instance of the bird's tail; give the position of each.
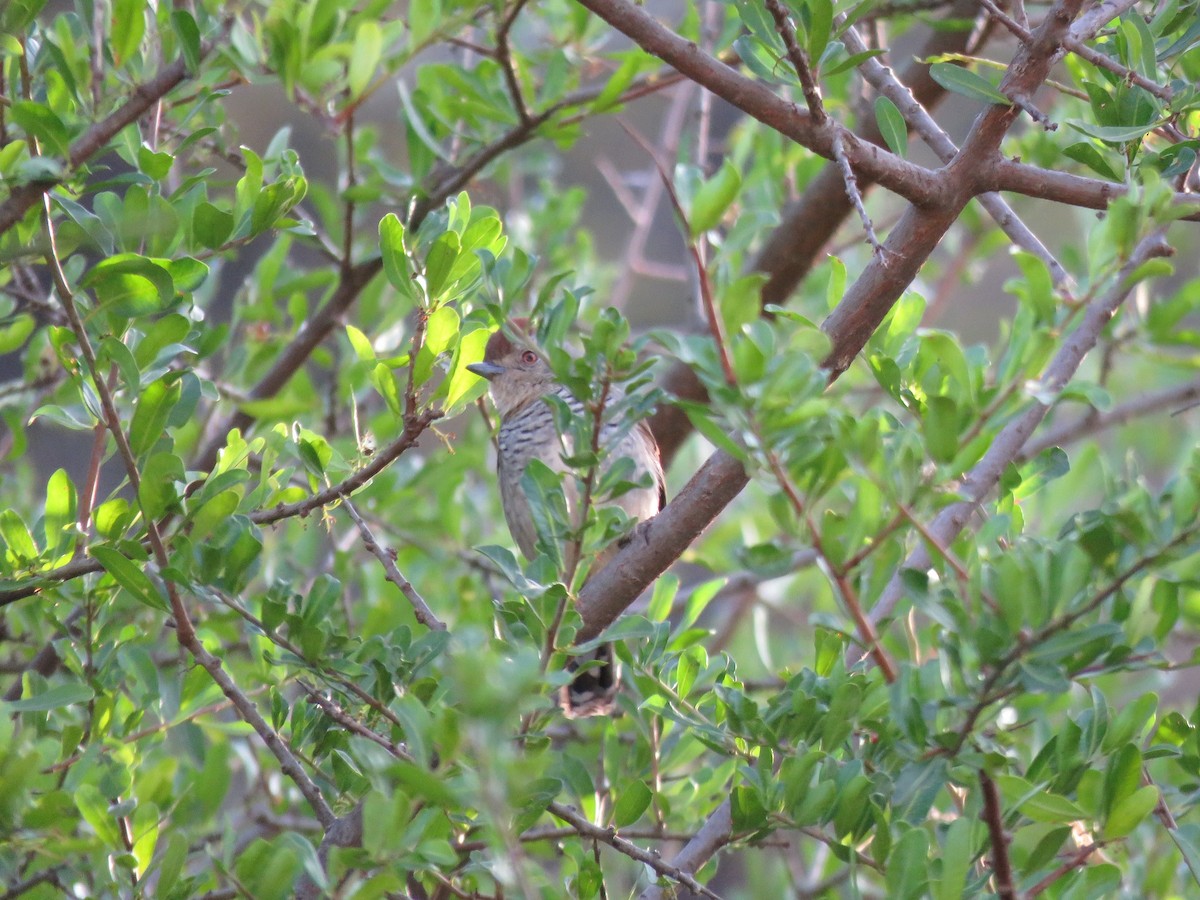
(593, 689)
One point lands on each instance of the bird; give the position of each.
(519, 381)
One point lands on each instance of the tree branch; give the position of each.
(387, 557)
(656, 543)
(921, 227)
(711, 837)
(609, 836)
(910, 181)
(1094, 421)
(808, 224)
(96, 138)
(993, 815)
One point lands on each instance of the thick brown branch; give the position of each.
(657, 543)
(1063, 187)
(809, 223)
(886, 277)
(910, 181)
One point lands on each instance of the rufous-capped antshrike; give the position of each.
(520, 381)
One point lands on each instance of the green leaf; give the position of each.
(746, 809)
(666, 588)
(1050, 464)
(150, 416)
(19, 547)
(1123, 775)
(211, 226)
(957, 853)
(1151, 268)
(1091, 156)
(1114, 134)
(128, 575)
(1187, 839)
(155, 164)
(54, 698)
(368, 48)
(43, 123)
(439, 262)
(462, 383)
(1040, 805)
(940, 428)
(633, 800)
(1130, 812)
(908, 865)
(441, 331)
(891, 125)
(130, 285)
(714, 197)
(361, 344)
(632, 62)
(274, 200)
(395, 259)
(424, 17)
(187, 272)
(214, 513)
(112, 517)
(14, 334)
(59, 520)
(158, 494)
(128, 27)
(849, 62)
(917, 786)
(189, 38)
(385, 383)
(958, 80)
(820, 26)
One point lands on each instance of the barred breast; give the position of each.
(528, 433)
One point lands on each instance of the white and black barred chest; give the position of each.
(529, 433)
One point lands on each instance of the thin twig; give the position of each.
(504, 57)
(387, 557)
(855, 195)
(379, 462)
(185, 631)
(716, 325)
(1074, 861)
(799, 60)
(1095, 421)
(347, 721)
(862, 622)
(993, 815)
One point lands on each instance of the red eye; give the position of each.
(529, 357)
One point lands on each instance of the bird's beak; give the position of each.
(485, 369)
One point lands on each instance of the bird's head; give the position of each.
(516, 372)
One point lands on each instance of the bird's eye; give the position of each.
(529, 357)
